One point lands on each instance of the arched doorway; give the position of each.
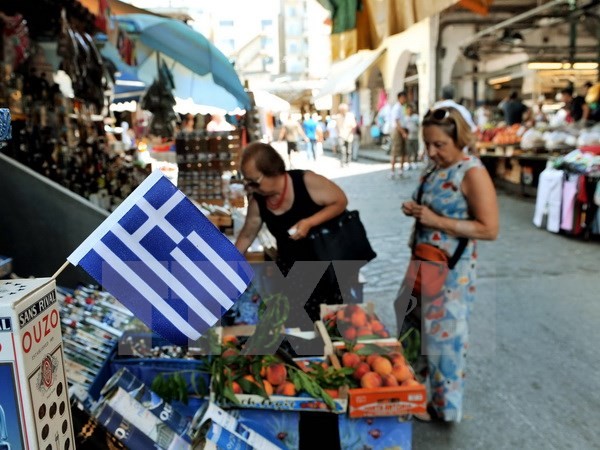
(411, 81)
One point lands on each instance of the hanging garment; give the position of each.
(548, 200)
(569, 192)
(581, 207)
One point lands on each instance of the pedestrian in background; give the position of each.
(514, 110)
(309, 126)
(454, 206)
(291, 131)
(399, 135)
(346, 128)
(447, 101)
(412, 143)
(332, 134)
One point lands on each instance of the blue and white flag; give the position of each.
(160, 257)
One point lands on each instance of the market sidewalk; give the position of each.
(533, 329)
(368, 152)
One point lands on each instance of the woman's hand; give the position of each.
(301, 230)
(425, 216)
(408, 207)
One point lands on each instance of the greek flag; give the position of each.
(160, 257)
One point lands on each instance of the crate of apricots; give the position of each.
(353, 322)
(381, 382)
(276, 381)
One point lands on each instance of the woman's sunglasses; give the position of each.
(438, 114)
(248, 183)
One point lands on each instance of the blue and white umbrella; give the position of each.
(201, 72)
(128, 85)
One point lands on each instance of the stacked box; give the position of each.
(373, 401)
(34, 394)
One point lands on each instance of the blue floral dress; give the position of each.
(445, 319)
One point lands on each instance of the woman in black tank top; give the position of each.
(290, 203)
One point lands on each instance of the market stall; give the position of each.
(363, 387)
(568, 197)
(516, 155)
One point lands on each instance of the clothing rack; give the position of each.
(570, 200)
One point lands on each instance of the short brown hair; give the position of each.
(265, 157)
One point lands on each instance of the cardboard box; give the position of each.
(288, 403)
(301, 402)
(381, 401)
(344, 328)
(390, 433)
(34, 393)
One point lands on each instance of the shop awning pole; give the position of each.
(518, 18)
(572, 33)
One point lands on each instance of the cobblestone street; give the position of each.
(533, 362)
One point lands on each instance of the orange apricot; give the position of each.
(371, 380)
(350, 359)
(237, 389)
(382, 366)
(286, 388)
(360, 370)
(276, 374)
(389, 380)
(401, 372)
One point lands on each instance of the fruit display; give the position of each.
(274, 381)
(375, 366)
(508, 135)
(353, 322)
(382, 382)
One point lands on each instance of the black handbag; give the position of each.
(342, 239)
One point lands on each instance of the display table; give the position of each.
(514, 168)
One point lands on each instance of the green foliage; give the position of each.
(411, 342)
(273, 313)
(172, 386)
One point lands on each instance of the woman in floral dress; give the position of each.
(458, 201)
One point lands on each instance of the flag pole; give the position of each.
(59, 271)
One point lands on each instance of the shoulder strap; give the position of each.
(462, 242)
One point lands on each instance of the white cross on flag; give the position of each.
(160, 257)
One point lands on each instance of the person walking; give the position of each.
(399, 135)
(412, 143)
(514, 110)
(447, 101)
(332, 134)
(310, 125)
(454, 206)
(291, 131)
(346, 125)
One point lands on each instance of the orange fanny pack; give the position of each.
(427, 271)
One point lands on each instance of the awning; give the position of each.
(343, 74)
(271, 102)
(368, 26)
(117, 8)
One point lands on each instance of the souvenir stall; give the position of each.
(5, 135)
(239, 383)
(235, 385)
(58, 89)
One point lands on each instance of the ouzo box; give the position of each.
(34, 392)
